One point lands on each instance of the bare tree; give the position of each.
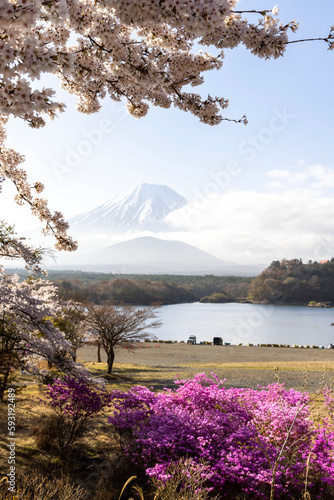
(112, 325)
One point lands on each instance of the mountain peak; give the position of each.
(144, 207)
(150, 188)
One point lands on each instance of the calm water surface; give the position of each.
(247, 323)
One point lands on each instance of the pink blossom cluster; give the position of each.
(74, 397)
(247, 438)
(74, 402)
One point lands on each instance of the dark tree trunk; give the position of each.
(74, 357)
(4, 384)
(99, 352)
(110, 360)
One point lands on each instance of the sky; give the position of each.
(257, 193)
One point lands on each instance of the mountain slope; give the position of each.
(152, 255)
(143, 208)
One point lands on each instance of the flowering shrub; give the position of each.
(73, 401)
(254, 440)
(329, 403)
(184, 480)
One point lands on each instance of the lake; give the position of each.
(247, 323)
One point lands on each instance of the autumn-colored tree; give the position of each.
(294, 282)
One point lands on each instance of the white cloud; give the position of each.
(253, 227)
(317, 177)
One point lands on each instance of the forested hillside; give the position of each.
(145, 289)
(283, 282)
(124, 291)
(293, 282)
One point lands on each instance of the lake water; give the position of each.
(247, 323)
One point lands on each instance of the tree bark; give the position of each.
(99, 352)
(110, 360)
(4, 383)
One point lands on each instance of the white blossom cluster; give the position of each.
(140, 50)
(27, 308)
(54, 222)
(13, 247)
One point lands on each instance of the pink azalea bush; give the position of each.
(249, 439)
(74, 402)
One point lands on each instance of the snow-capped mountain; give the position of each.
(143, 208)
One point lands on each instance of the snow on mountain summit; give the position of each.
(145, 207)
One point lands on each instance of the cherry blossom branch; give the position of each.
(262, 12)
(309, 40)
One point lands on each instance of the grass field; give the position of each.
(240, 366)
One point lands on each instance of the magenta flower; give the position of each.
(240, 434)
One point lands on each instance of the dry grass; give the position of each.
(37, 487)
(236, 374)
(240, 366)
(311, 366)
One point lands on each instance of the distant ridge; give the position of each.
(143, 208)
(148, 254)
